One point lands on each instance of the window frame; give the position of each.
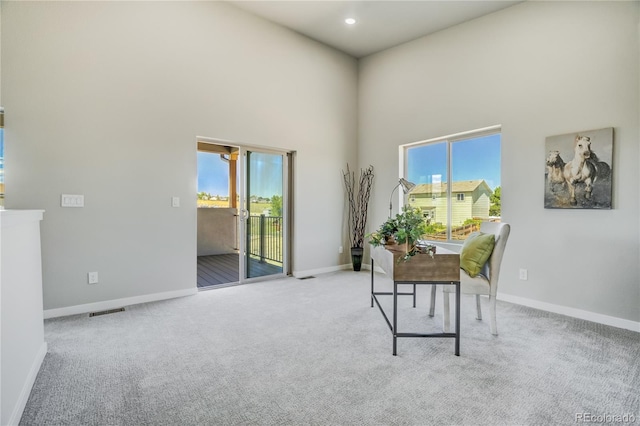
(449, 140)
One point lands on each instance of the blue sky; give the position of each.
(213, 174)
(265, 169)
(477, 158)
(265, 174)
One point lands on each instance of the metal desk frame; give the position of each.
(394, 326)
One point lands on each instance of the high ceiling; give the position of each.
(379, 24)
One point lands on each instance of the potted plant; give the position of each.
(358, 198)
(385, 235)
(405, 229)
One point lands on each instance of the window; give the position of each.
(471, 162)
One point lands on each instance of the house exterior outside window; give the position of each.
(473, 201)
(471, 162)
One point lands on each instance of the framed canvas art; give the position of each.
(579, 170)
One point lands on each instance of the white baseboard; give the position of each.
(308, 272)
(116, 303)
(367, 266)
(302, 274)
(18, 409)
(572, 312)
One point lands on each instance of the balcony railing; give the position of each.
(264, 237)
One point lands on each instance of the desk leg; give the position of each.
(457, 319)
(414, 295)
(432, 307)
(395, 315)
(372, 283)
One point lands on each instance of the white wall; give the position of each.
(538, 69)
(22, 331)
(105, 99)
(217, 231)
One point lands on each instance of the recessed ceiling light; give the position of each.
(350, 21)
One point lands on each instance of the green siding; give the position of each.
(481, 205)
(461, 210)
(438, 206)
(475, 205)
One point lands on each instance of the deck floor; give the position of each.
(224, 269)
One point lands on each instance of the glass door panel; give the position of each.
(264, 225)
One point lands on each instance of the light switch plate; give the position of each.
(175, 201)
(72, 200)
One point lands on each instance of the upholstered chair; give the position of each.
(486, 282)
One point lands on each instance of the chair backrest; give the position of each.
(491, 269)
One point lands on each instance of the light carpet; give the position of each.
(313, 352)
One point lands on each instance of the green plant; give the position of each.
(435, 228)
(276, 205)
(385, 234)
(472, 221)
(406, 228)
(496, 204)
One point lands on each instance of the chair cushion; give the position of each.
(475, 252)
(476, 285)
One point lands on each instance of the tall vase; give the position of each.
(356, 257)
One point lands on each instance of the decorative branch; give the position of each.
(358, 202)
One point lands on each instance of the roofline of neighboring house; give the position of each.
(426, 188)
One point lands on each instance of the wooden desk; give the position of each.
(443, 268)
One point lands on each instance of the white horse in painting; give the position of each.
(581, 169)
(555, 170)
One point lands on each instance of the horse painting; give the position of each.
(583, 180)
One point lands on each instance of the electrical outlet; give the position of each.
(92, 277)
(524, 274)
(340, 249)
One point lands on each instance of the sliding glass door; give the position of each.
(243, 224)
(263, 216)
